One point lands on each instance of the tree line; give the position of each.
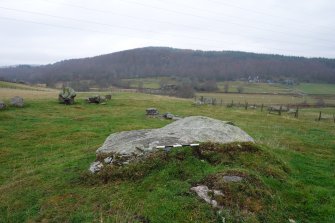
(203, 66)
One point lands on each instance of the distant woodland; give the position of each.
(187, 65)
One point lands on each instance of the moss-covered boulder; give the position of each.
(66, 96)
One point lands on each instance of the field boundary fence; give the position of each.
(275, 108)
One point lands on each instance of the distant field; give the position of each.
(10, 85)
(153, 83)
(26, 94)
(254, 87)
(307, 88)
(262, 99)
(9, 90)
(316, 88)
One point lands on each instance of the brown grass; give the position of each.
(7, 93)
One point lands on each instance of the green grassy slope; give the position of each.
(45, 149)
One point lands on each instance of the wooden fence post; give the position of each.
(246, 105)
(319, 119)
(213, 101)
(262, 107)
(296, 112)
(280, 110)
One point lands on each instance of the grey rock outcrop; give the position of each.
(17, 101)
(168, 115)
(2, 105)
(188, 130)
(96, 99)
(66, 96)
(152, 111)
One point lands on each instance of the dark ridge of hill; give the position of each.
(163, 61)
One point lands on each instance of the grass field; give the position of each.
(46, 149)
(153, 82)
(255, 87)
(310, 88)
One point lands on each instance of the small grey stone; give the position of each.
(152, 111)
(218, 192)
(95, 167)
(232, 178)
(2, 105)
(108, 160)
(203, 191)
(167, 149)
(168, 116)
(96, 99)
(17, 101)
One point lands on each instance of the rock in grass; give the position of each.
(152, 111)
(66, 96)
(2, 105)
(188, 130)
(108, 160)
(96, 167)
(168, 115)
(17, 102)
(96, 99)
(232, 178)
(205, 193)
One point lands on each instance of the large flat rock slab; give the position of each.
(194, 129)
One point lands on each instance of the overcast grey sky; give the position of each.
(46, 31)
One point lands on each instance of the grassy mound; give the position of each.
(250, 199)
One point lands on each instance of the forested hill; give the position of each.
(162, 61)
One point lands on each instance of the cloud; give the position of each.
(46, 31)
